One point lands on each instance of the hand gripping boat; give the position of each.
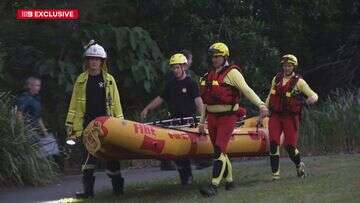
(114, 139)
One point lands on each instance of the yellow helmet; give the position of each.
(177, 59)
(219, 49)
(289, 58)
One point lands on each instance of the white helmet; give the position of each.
(94, 50)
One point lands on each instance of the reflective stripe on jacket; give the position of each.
(77, 107)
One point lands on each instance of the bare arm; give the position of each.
(202, 121)
(203, 115)
(42, 126)
(152, 105)
(199, 105)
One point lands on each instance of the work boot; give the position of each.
(300, 170)
(88, 186)
(186, 177)
(186, 180)
(229, 185)
(208, 190)
(118, 185)
(276, 176)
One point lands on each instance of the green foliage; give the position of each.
(22, 163)
(258, 32)
(206, 22)
(139, 35)
(333, 126)
(132, 53)
(53, 51)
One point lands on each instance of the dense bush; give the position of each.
(20, 158)
(332, 126)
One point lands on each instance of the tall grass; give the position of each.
(21, 161)
(332, 126)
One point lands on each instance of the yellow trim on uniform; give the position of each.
(87, 167)
(234, 78)
(222, 108)
(229, 177)
(216, 180)
(277, 153)
(300, 86)
(276, 175)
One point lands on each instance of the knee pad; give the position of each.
(218, 169)
(274, 148)
(292, 150)
(228, 170)
(88, 167)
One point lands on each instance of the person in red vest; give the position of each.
(220, 90)
(285, 104)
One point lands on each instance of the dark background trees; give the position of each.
(140, 35)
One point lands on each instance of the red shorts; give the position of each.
(289, 124)
(221, 129)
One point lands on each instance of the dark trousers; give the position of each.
(184, 168)
(88, 164)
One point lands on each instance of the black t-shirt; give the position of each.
(180, 95)
(95, 98)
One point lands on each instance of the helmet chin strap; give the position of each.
(226, 63)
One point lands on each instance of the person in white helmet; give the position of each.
(95, 94)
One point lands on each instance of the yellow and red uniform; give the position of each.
(220, 91)
(285, 104)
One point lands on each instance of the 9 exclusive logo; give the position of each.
(47, 14)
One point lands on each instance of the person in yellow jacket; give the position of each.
(220, 90)
(95, 94)
(285, 103)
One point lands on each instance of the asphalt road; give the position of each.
(68, 185)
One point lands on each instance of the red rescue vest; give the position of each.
(284, 98)
(215, 91)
